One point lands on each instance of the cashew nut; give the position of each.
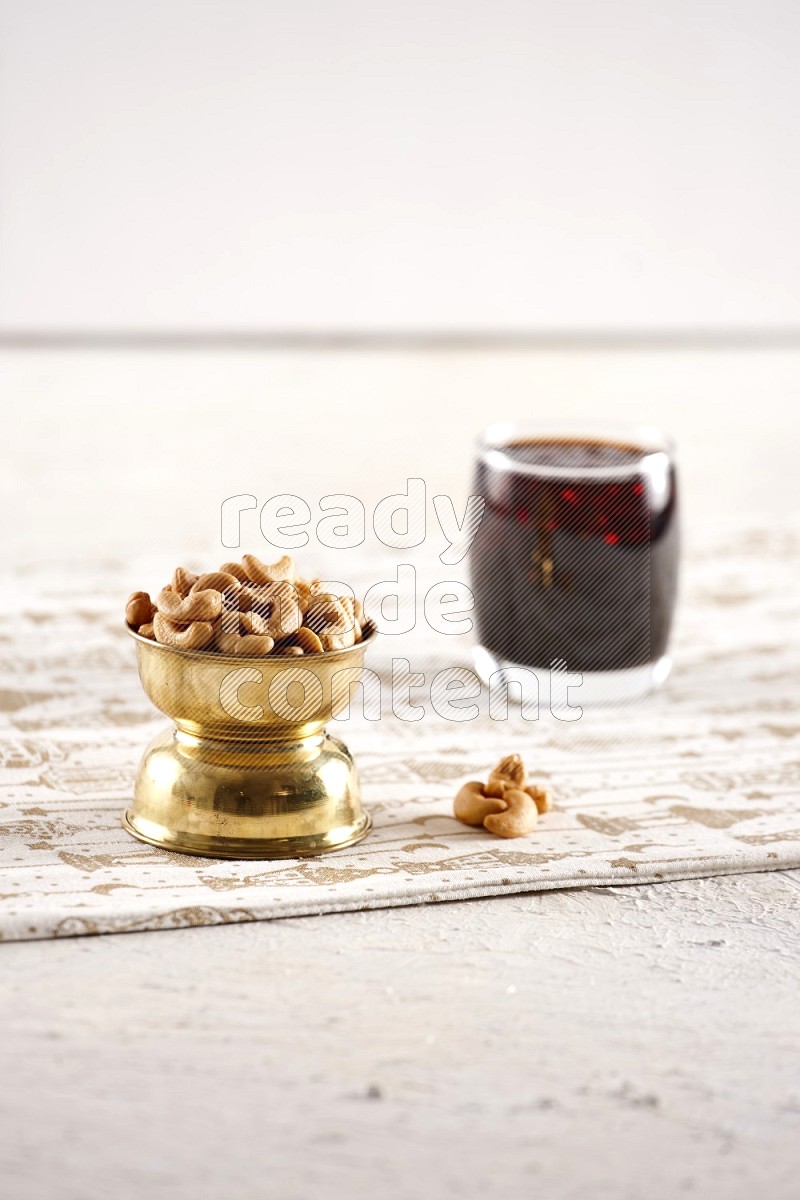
(506, 804)
(253, 623)
(308, 641)
(196, 606)
(259, 572)
(277, 604)
(332, 621)
(285, 616)
(511, 771)
(195, 636)
(473, 806)
(541, 797)
(183, 581)
(217, 581)
(247, 645)
(335, 638)
(139, 609)
(237, 570)
(304, 591)
(519, 817)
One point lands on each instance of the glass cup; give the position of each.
(574, 566)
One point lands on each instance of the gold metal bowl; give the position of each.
(248, 770)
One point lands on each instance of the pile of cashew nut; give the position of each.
(250, 609)
(506, 804)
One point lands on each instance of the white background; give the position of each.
(423, 165)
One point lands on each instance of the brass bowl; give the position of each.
(248, 770)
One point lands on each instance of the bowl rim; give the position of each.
(273, 660)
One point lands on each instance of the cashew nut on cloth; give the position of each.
(520, 816)
(507, 805)
(473, 806)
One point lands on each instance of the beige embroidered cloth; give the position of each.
(702, 779)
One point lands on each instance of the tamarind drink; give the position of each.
(576, 557)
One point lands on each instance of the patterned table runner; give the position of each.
(702, 779)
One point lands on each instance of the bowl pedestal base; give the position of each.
(225, 798)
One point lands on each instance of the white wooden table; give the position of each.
(620, 1042)
(623, 1042)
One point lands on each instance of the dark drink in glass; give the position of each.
(575, 561)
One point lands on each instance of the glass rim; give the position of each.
(654, 445)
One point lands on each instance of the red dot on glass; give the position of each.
(611, 538)
(570, 496)
(551, 525)
(522, 515)
(638, 488)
